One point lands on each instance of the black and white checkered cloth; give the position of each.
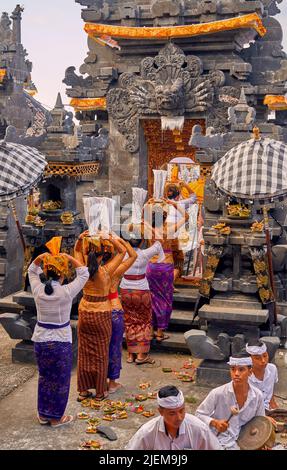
(21, 168)
(254, 170)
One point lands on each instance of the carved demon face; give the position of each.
(170, 98)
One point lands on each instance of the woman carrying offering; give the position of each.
(161, 273)
(118, 327)
(136, 301)
(95, 315)
(53, 335)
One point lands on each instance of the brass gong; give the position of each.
(256, 434)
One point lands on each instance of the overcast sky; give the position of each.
(53, 35)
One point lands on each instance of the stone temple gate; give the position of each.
(155, 71)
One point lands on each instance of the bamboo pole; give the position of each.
(269, 257)
(12, 205)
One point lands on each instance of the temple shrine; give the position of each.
(169, 80)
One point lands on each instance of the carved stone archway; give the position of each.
(170, 84)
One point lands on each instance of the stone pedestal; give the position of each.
(212, 373)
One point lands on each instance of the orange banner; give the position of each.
(89, 104)
(3, 73)
(245, 21)
(276, 102)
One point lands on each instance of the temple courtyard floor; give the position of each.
(19, 428)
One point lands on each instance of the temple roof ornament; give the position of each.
(252, 20)
(241, 115)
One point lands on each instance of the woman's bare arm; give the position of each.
(125, 265)
(112, 265)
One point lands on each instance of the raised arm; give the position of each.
(112, 265)
(125, 265)
(172, 229)
(75, 262)
(39, 259)
(74, 287)
(78, 250)
(34, 272)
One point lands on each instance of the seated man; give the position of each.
(227, 408)
(174, 429)
(264, 375)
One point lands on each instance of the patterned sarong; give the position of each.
(160, 278)
(115, 356)
(54, 361)
(94, 335)
(137, 314)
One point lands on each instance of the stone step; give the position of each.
(175, 343)
(7, 304)
(236, 302)
(185, 294)
(182, 320)
(241, 315)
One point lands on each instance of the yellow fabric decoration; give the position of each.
(276, 102)
(198, 188)
(3, 73)
(99, 244)
(89, 104)
(56, 261)
(54, 245)
(245, 21)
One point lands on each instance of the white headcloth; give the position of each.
(171, 402)
(256, 350)
(240, 361)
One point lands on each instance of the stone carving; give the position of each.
(74, 80)
(217, 115)
(101, 8)
(242, 114)
(11, 135)
(210, 140)
(169, 84)
(6, 35)
(165, 7)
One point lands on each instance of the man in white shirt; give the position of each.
(264, 375)
(174, 429)
(227, 408)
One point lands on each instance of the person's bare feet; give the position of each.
(101, 397)
(114, 386)
(61, 422)
(130, 358)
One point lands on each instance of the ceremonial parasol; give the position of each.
(21, 169)
(255, 172)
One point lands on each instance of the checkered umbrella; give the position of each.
(21, 168)
(254, 170)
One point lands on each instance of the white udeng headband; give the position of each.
(171, 402)
(240, 361)
(256, 350)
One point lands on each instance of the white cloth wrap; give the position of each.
(171, 403)
(240, 361)
(139, 197)
(99, 211)
(160, 177)
(256, 350)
